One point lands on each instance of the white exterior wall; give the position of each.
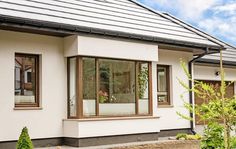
(168, 117)
(119, 126)
(44, 123)
(48, 122)
(208, 73)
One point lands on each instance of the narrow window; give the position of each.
(26, 80)
(163, 85)
(89, 86)
(72, 87)
(143, 87)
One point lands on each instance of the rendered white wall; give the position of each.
(83, 129)
(110, 48)
(208, 73)
(45, 123)
(168, 117)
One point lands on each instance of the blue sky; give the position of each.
(216, 17)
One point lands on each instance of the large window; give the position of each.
(26, 80)
(163, 85)
(108, 87)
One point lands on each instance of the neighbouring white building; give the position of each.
(92, 72)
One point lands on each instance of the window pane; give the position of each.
(72, 87)
(162, 84)
(143, 81)
(89, 86)
(25, 79)
(116, 87)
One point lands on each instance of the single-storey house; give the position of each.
(92, 72)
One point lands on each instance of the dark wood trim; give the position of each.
(79, 81)
(127, 117)
(136, 88)
(167, 83)
(97, 86)
(68, 88)
(150, 88)
(37, 84)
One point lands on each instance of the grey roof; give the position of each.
(124, 16)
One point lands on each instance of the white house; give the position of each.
(92, 72)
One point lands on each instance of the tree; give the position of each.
(219, 107)
(24, 141)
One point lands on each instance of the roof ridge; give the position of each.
(173, 19)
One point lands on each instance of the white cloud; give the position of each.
(185, 9)
(194, 9)
(223, 27)
(227, 9)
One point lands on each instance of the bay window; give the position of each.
(108, 87)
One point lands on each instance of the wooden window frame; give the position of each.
(37, 73)
(168, 103)
(79, 89)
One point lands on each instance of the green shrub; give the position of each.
(184, 136)
(181, 136)
(194, 137)
(213, 136)
(233, 142)
(24, 141)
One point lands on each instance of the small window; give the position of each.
(26, 80)
(163, 85)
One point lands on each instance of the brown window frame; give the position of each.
(167, 67)
(79, 89)
(37, 101)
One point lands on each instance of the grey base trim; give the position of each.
(85, 142)
(95, 141)
(174, 132)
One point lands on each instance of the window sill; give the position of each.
(112, 118)
(28, 108)
(165, 106)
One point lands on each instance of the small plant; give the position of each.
(181, 136)
(213, 136)
(24, 141)
(184, 136)
(233, 142)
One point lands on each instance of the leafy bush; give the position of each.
(181, 136)
(184, 136)
(24, 141)
(233, 142)
(213, 136)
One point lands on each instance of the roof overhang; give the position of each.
(63, 30)
(211, 62)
